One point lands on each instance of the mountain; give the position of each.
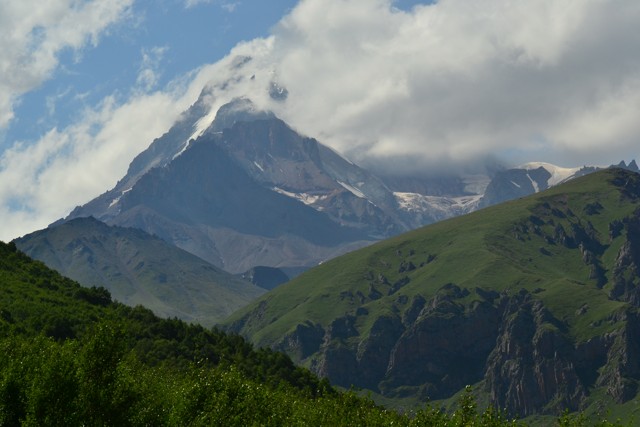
(139, 269)
(535, 302)
(71, 356)
(243, 189)
(533, 177)
(239, 188)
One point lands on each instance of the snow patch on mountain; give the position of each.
(306, 198)
(117, 199)
(447, 206)
(204, 123)
(558, 174)
(536, 187)
(353, 190)
(182, 150)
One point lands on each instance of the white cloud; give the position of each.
(459, 79)
(33, 33)
(229, 6)
(149, 73)
(42, 181)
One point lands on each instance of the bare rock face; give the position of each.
(622, 369)
(444, 349)
(366, 364)
(511, 344)
(514, 183)
(626, 272)
(303, 341)
(532, 363)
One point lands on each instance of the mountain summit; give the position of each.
(247, 190)
(239, 188)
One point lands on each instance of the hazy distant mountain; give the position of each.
(140, 269)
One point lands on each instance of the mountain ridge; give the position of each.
(266, 160)
(139, 269)
(532, 301)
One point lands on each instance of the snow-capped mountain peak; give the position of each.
(558, 173)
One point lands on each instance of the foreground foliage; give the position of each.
(71, 356)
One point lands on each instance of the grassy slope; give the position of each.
(37, 301)
(476, 250)
(486, 249)
(140, 269)
(69, 356)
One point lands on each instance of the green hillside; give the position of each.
(534, 301)
(140, 269)
(70, 356)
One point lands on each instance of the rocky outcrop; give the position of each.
(374, 352)
(303, 341)
(511, 344)
(626, 271)
(444, 349)
(621, 372)
(513, 183)
(531, 368)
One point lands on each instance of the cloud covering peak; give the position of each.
(459, 79)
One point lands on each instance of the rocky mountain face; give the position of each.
(534, 177)
(239, 188)
(139, 269)
(246, 190)
(534, 302)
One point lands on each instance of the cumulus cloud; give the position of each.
(149, 73)
(33, 33)
(460, 80)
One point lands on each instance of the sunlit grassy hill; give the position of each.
(534, 301)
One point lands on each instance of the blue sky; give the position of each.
(188, 37)
(178, 35)
(85, 85)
